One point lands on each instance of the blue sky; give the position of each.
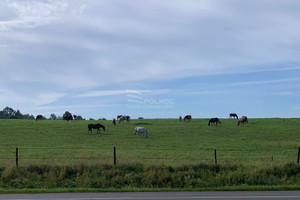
(150, 58)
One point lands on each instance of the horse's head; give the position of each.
(89, 127)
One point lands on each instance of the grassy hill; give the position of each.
(170, 142)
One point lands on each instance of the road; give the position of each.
(257, 195)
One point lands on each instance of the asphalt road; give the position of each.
(278, 195)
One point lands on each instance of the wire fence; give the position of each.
(168, 156)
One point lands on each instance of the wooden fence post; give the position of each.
(298, 155)
(216, 156)
(17, 156)
(115, 159)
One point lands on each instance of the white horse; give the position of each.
(140, 131)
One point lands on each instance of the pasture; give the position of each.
(170, 142)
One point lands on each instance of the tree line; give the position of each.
(10, 113)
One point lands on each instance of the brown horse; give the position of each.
(215, 121)
(188, 117)
(95, 126)
(114, 121)
(180, 118)
(243, 120)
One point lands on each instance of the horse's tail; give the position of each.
(146, 133)
(209, 123)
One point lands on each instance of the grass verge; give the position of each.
(137, 177)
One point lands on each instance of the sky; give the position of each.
(151, 58)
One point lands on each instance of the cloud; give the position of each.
(31, 14)
(47, 98)
(175, 42)
(266, 81)
(121, 92)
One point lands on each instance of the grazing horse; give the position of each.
(234, 115)
(95, 126)
(39, 117)
(124, 117)
(140, 131)
(114, 121)
(188, 117)
(243, 120)
(180, 118)
(214, 121)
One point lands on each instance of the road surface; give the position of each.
(257, 195)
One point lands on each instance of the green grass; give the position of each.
(62, 156)
(137, 176)
(170, 142)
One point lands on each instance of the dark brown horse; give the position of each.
(234, 115)
(188, 117)
(114, 121)
(215, 121)
(180, 118)
(243, 120)
(39, 117)
(95, 126)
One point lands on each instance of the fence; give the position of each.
(214, 156)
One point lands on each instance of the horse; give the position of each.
(140, 131)
(124, 117)
(188, 117)
(95, 126)
(234, 115)
(214, 120)
(243, 120)
(39, 117)
(114, 121)
(180, 118)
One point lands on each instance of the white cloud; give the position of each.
(121, 92)
(266, 81)
(30, 14)
(47, 98)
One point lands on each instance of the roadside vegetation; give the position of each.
(137, 176)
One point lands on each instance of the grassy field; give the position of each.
(170, 142)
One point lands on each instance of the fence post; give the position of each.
(17, 156)
(298, 155)
(215, 156)
(115, 159)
